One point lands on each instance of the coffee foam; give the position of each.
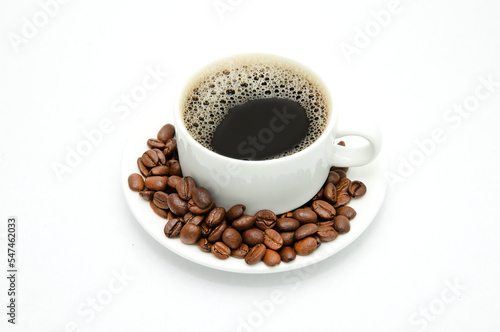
(224, 85)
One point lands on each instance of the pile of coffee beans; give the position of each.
(193, 216)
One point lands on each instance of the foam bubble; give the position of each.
(224, 85)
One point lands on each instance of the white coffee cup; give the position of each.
(281, 184)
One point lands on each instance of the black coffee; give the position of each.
(261, 129)
(228, 107)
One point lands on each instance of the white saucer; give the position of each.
(366, 208)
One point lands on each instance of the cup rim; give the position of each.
(327, 132)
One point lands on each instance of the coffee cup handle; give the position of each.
(345, 156)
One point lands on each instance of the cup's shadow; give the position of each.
(174, 261)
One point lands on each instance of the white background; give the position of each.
(439, 224)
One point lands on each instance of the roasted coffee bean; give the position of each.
(202, 197)
(154, 143)
(232, 238)
(347, 211)
(170, 215)
(185, 187)
(252, 236)
(172, 181)
(327, 233)
(156, 183)
(287, 215)
(150, 158)
(215, 217)
(243, 223)
(170, 148)
(305, 216)
(330, 193)
(271, 258)
(333, 177)
(161, 158)
(342, 199)
(342, 174)
(173, 227)
(160, 200)
(204, 245)
(178, 206)
(159, 170)
(343, 186)
(160, 212)
(190, 234)
(272, 239)
(220, 250)
(342, 169)
(166, 132)
(205, 230)
(255, 254)
(317, 239)
(196, 210)
(235, 212)
(216, 234)
(265, 219)
(319, 195)
(136, 182)
(287, 224)
(143, 169)
(305, 246)
(241, 252)
(188, 216)
(175, 167)
(325, 223)
(323, 209)
(192, 214)
(341, 224)
(305, 231)
(357, 189)
(288, 238)
(147, 195)
(287, 254)
(194, 219)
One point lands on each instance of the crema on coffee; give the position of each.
(270, 87)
